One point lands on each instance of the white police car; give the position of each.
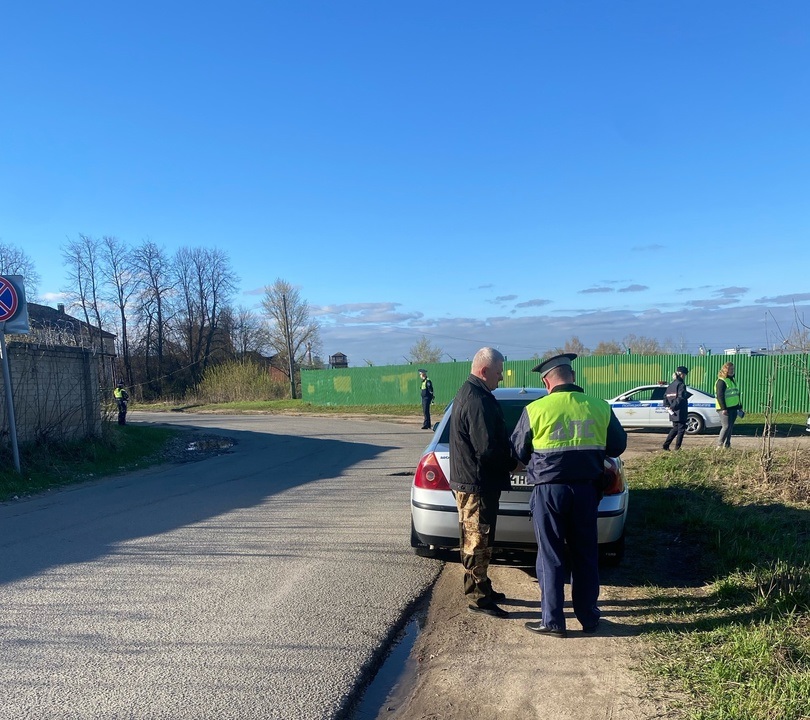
(643, 407)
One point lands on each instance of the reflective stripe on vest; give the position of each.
(565, 421)
(732, 394)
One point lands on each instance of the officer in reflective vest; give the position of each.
(728, 401)
(563, 439)
(121, 397)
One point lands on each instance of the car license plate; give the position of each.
(519, 481)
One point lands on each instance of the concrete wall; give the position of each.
(56, 393)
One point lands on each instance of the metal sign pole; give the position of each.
(12, 423)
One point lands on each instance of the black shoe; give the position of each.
(425, 427)
(665, 447)
(492, 610)
(540, 629)
(591, 628)
(497, 596)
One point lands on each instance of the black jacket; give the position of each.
(481, 458)
(676, 399)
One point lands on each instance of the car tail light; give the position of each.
(615, 474)
(429, 475)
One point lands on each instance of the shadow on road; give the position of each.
(80, 523)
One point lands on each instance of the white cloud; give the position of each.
(706, 322)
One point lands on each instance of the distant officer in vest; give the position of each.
(676, 401)
(728, 402)
(121, 398)
(563, 439)
(427, 398)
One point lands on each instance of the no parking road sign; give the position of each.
(8, 299)
(13, 307)
(14, 320)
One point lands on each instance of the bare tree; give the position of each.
(155, 283)
(798, 340)
(574, 345)
(83, 290)
(423, 353)
(249, 333)
(205, 283)
(640, 345)
(14, 261)
(291, 330)
(118, 270)
(610, 347)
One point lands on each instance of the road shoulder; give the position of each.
(472, 666)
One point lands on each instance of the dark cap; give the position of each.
(120, 384)
(682, 370)
(422, 370)
(547, 366)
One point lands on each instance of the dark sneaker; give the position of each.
(591, 628)
(540, 629)
(492, 610)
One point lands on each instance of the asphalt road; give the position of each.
(263, 583)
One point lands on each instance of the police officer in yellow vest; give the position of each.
(121, 399)
(563, 439)
(728, 401)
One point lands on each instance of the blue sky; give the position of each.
(508, 174)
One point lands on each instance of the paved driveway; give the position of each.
(259, 584)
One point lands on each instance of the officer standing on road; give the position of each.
(427, 398)
(121, 399)
(676, 400)
(728, 403)
(481, 462)
(563, 439)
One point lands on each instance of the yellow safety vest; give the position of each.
(732, 394)
(568, 421)
(569, 437)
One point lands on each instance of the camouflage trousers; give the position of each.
(477, 515)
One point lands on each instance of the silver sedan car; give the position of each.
(434, 517)
(643, 407)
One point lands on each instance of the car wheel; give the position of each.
(612, 553)
(694, 424)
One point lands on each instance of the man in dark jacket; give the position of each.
(563, 439)
(676, 401)
(426, 388)
(481, 461)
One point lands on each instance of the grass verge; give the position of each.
(728, 579)
(49, 465)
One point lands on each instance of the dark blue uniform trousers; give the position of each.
(563, 514)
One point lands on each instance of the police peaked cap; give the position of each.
(546, 366)
(422, 371)
(682, 370)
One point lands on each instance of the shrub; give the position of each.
(238, 382)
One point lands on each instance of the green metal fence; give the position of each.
(783, 381)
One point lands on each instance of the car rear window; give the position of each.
(511, 412)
